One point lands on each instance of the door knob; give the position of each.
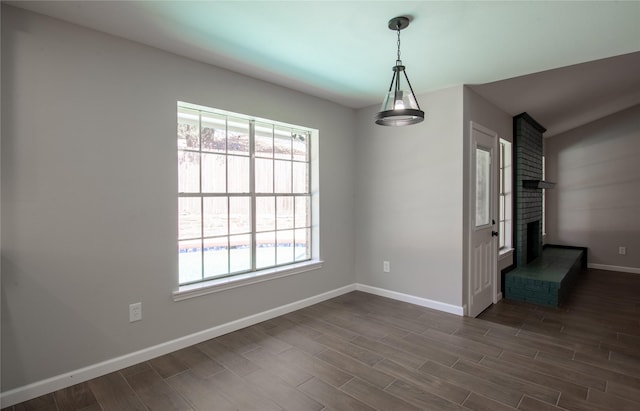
(494, 234)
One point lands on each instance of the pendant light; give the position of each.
(400, 107)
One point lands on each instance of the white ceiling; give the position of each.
(343, 51)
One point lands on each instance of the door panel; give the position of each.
(483, 249)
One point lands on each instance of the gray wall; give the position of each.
(596, 202)
(89, 195)
(409, 197)
(412, 196)
(480, 110)
(89, 198)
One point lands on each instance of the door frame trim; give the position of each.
(470, 226)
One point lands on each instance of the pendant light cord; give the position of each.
(398, 41)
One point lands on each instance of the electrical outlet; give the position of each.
(135, 312)
(622, 250)
(386, 266)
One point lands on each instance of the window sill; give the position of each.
(504, 253)
(213, 286)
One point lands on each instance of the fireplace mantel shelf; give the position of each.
(537, 184)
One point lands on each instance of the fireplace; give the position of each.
(534, 243)
(527, 137)
(538, 277)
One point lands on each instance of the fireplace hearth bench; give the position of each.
(548, 279)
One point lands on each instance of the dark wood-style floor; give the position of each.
(363, 352)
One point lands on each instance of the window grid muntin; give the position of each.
(252, 156)
(501, 217)
(252, 189)
(505, 195)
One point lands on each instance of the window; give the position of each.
(505, 199)
(244, 194)
(483, 186)
(544, 202)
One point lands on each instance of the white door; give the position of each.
(483, 247)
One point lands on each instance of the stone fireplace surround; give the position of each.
(527, 141)
(537, 277)
(533, 240)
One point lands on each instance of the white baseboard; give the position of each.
(607, 267)
(27, 392)
(424, 302)
(58, 382)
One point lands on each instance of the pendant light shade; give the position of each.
(400, 106)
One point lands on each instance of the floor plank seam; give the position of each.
(584, 355)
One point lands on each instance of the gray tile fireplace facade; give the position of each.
(528, 201)
(538, 278)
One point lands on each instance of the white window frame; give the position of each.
(544, 203)
(253, 276)
(505, 196)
